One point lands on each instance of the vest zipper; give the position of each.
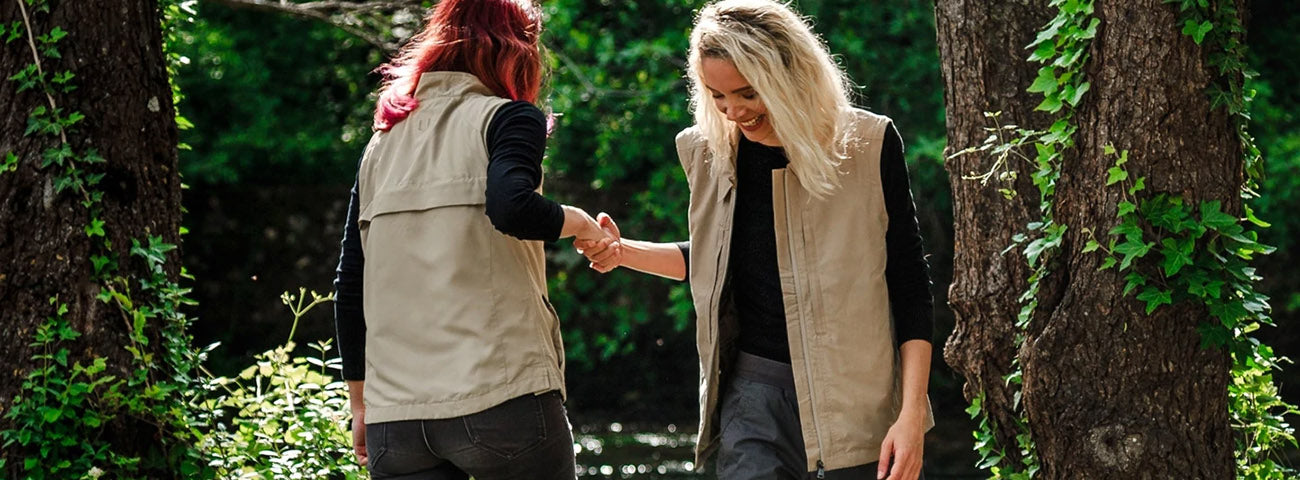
(803, 330)
(724, 251)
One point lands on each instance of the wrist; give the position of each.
(913, 411)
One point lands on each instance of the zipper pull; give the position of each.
(821, 470)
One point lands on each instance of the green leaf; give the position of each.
(1132, 281)
(1177, 254)
(1046, 82)
(56, 156)
(1115, 175)
(1197, 30)
(95, 229)
(1250, 215)
(1076, 94)
(1091, 246)
(1154, 298)
(1051, 104)
(1126, 207)
(1044, 51)
(1138, 185)
(1214, 218)
(57, 34)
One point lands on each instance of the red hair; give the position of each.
(494, 40)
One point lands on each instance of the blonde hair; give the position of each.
(805, 92)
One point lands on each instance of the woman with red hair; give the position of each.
(450, 347)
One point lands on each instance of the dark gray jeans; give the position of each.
(525, 437)
(761, 437)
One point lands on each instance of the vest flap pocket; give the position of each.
(463, 192)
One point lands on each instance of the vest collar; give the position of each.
(449, 84)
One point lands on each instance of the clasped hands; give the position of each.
(603, 251)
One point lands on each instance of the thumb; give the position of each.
(606, 222)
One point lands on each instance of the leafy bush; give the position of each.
(288, 415)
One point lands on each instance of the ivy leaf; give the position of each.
(1076, 94)
(1214, 218)
(56, 156)
(1177, 253)
(1132, 281)
(95, 229)
(1126, 207)
(1044, 51)
(1115, 175)
(1131, 250)
(99, 262)
(1197, 30)
(1051, 104)
(1091, 246)
(1250, 215)
(1046, 83)
(1155, 297)
(1138, 185)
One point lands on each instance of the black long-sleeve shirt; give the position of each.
(755, 280)
(516, 139)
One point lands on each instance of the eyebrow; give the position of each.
(738, 90)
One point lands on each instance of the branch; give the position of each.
(340, 14)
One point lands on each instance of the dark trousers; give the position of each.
(527, 437)
(761, 434)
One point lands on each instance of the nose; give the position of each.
(732, 112)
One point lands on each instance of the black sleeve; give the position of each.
(685, 247)
(349, 318)
(516, 140)
(907, 273)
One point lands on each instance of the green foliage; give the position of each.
(277, 97)
(66, 415)
(1200, 254)
(285, 416)
(1062, 48)
(63, 409)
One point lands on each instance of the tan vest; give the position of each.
(831, 258)
(457, 319)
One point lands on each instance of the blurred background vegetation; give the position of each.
(281, 108)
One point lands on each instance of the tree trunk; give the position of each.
(1110, 392)
(977, 41)
(114, 49)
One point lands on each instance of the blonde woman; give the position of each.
(805, 260)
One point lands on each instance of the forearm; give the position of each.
(662, 259)
(916, 376)
(577, 223)
(356, 395)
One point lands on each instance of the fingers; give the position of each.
(886, 451)
(607, 223)
(605, 255)
(359, 441)
(906, 465)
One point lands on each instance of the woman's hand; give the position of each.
(905, 446)
(605, 254)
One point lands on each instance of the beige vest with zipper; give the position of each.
(831, 258)
(457, 319)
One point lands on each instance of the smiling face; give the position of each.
(737, 100)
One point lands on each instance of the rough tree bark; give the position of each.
(980, 43)
(1109, 391)
(114, 48)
